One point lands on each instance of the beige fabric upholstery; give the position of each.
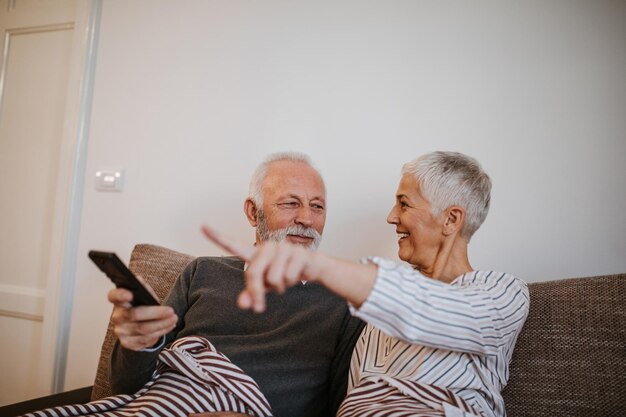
(159, 267)
(570, 359)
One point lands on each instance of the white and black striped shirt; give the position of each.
(458, 336)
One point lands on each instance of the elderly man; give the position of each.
(298, 352)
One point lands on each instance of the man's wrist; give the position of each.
(156, 347)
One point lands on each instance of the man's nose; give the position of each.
(304, 216)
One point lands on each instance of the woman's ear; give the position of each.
(454, 220)
(250, 209)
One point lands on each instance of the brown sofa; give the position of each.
(570, 359)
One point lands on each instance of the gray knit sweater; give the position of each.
(298, 351)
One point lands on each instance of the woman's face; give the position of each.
(419, 232)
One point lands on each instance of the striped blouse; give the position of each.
(456, 338)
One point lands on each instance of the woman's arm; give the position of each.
(277, 266)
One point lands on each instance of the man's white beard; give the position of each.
(281, 234)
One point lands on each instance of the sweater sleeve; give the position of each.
(482, 314)
(131, 370)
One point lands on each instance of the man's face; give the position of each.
(294, 205)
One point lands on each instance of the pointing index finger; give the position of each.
(230, 245)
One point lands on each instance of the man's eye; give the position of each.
(317, 206)
(403, 204)
(289, 204)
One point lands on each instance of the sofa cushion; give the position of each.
(159, 267)
(570, 358)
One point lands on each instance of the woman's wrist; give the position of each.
(350, 280)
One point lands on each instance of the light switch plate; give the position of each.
(110, 179)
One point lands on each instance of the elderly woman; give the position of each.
(440, 334)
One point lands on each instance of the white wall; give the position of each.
(189, 96)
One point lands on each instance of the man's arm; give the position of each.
(130, 370)
(142, 333)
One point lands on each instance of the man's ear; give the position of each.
(454, 220)
(250, 209)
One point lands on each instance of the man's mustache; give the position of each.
(296, 230)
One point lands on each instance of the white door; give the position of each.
(44, 83)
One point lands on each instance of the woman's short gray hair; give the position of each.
(258, 177)
(452, 178)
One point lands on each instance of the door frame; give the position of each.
(69, 200)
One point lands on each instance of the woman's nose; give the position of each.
(392, 217)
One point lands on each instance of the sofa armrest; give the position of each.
(77, 396)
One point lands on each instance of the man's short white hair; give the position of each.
(258, 177)
(451, 178)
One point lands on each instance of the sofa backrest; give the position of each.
(570, 358)
(159, 267)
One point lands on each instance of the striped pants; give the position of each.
(387, 397)
(191, 377)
